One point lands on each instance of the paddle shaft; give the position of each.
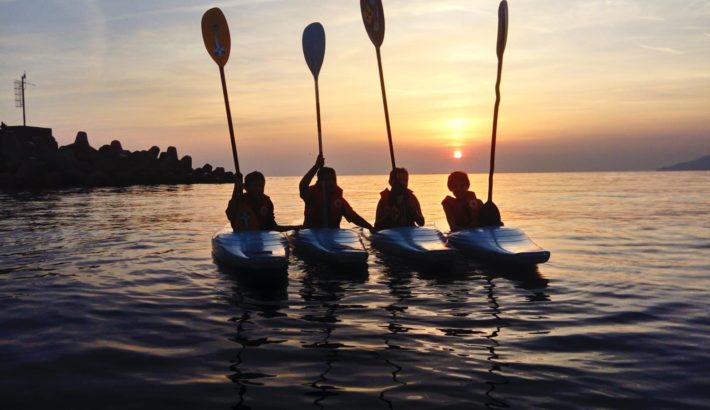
(320, 135)
(495, 130)
(229, 120)
(384, 103)
(320, 151)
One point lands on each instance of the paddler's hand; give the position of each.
(238, 184)
(320, 161)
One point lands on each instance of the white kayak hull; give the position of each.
(336, 246)
(252, 250)
(419, 244)
(503, 245)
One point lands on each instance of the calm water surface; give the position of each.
(109, 298)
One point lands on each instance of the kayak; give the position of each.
(419, 244)
(337, 246)
(498, 245)
(252, 250)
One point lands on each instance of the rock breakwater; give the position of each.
(30, 158)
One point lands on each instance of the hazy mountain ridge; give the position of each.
(700, 164)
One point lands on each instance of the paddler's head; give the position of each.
(458, 183)
(254, 184)
(399, 178)
(327, 177)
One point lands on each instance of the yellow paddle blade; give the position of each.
(215, 33)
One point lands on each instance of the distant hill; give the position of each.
(700, 164)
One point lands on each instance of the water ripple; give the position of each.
(110, 299)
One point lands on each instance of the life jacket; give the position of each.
(396, 214)
(313, 212)
(248, 214)
(464, 211)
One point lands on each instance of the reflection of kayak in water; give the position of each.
(419, 244)
(254, 250)
(337, 246)
(498, 245)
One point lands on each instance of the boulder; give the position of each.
(54, 180)
(116, 146)
(172, 153)
(67, 160)
(32, 174)
(81, 148)
(186, 164)
(82, 140)
(7, 180)
(98, 178)
(154, 152)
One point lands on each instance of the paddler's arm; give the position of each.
(272, 225)
(236, 195)
(360, 221)
(353, 217)
(284, 228)
(306, 180)
(416, 210)
(238, 186)
(453, 227)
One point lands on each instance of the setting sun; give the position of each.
(458, 154)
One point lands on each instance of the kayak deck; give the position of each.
(338, 246)
(258, 250)
(498, 244)
(421, 244)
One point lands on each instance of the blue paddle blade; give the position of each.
(314, 47)
(502, 28)
(373, 16)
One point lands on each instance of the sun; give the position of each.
(458, 154)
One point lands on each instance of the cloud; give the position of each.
(543, 30)
(650, 18)
(665, 50)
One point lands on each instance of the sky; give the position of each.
(588, 85)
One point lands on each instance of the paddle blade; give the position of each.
(374, 18)
(489, 215)
(314, 47)
(502, 27)
(215, 34)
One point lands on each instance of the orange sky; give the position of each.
(587, 85)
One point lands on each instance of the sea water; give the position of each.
(109, 298)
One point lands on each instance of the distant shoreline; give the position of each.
(700, 164)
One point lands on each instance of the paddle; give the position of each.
(313, 42)
(373, 16)
(215, 34)
(314, 51)
(489, 215)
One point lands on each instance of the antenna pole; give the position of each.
(24, 122)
